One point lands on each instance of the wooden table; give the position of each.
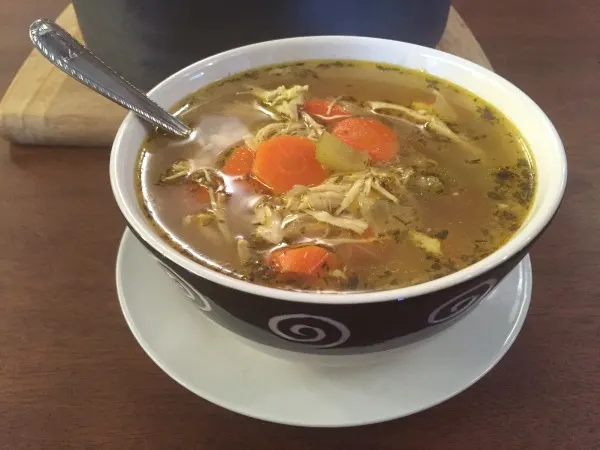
(72, 375)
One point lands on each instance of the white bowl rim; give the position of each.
(518, 242)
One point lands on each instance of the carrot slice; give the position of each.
(322, 109)
(239, 163)
(368, 135)
(285, 161)
(307, 260)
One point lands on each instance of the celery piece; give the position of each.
(336, 155)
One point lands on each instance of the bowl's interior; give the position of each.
(533, 124)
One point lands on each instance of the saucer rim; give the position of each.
(525, 270)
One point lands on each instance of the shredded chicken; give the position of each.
(429, 121)
(441, 129)
(415, 116)
(212, 215)
(377, 186)
(349, 223)
(289, 219)
(202, 218)
(270, 226)
(243, 251)
(321, 201)
(270, 233)
(315, 129)
(368, 185)
(185, 170)
(297, 190)
(283, 129)
(332, 103)
(219, 211)
(179, 169)
(280, 129)
(318, 197)
(339, 193)
(282, 106)
(337, 273)
(283, 100)
(351, 195)
(329, 187)
(268, 111)
(427, 243)
(332, 242)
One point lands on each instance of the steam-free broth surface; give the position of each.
(336, 176)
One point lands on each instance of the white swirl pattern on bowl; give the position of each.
(461, 303)
(301, 330)
(196, 297)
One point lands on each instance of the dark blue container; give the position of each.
(147, 40)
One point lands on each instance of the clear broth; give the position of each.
(485, 199)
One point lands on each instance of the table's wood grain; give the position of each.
(72, 376)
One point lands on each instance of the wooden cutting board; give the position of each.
(44, 106)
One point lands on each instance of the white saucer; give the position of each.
(212, 363)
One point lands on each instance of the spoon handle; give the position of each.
(62, 50)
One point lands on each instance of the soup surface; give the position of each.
(337, 176)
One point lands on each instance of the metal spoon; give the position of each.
(62, 50)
